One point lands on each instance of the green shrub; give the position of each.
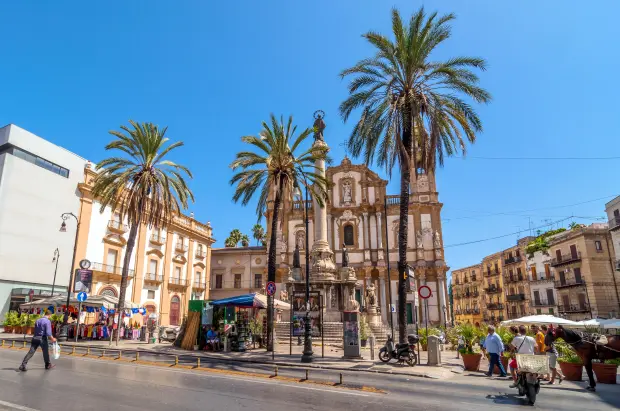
(424, 336)
(363, 329)
(567, 353)
(11, 319)
(615, 361)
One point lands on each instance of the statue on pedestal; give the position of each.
(436, 239)
(319, 125)
(345, 256)
(296, 259)
(352, 304)
(371, 298)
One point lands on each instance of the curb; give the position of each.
(244, 360)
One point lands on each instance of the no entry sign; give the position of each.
(424, 292)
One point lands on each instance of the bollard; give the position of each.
(87, 350)
(176, 360)
(275, 371)
(340, 378)
(2, 343)
(73, 350)
(307, 375)
(137, 356)
(102, 353)
(24, 344)
(12, 344)
(198, 362)
(372, 347)
(120, 354)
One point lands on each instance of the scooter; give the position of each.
(528, 384)
(400, 352)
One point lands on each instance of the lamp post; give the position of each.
(55, 259)
(307, 354)
(63, 229)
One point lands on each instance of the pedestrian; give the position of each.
(512, 364)
(552, 353)
(41, 338)
(495, 348)
(523, 344)
(540, 342)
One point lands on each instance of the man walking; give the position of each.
(552, 353)
(41, 338)
(495, 348)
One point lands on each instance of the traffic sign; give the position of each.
(81, 297)
(425, 292)
(270, 288)
(393, 308)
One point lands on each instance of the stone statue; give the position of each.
(371, 298)
(319, 125)
(352, 304)
(437, 239)
(284, 295)
(345, 256)
(419, 239)
(347, 195)
(301, 239)
(296, 259)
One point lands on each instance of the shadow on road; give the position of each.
(506, 399)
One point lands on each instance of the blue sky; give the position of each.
(212, 71)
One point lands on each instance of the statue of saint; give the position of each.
(371, 298)
(352, 304)
(419, 239)
(437, 240)
(296, 259)
(319, 125)
(347, 196)
(345, 256)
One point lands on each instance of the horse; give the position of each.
(586, 348)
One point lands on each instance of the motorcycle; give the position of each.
(528, 384)
(400, 352)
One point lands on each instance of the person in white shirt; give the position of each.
(523, 344)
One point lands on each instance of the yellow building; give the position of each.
(516, 279)
(167, 268)
(466, 293)
(493, 301)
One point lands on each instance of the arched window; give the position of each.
(175, 310)
(109, 291)
(349, 237)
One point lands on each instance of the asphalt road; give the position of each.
(90, 384)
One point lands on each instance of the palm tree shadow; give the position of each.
(506, 399)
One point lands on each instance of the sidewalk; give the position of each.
(332, 361)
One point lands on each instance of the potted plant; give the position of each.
(506, 336)
(21, 323)
(570, 363)
(471, 356)
(256, 328)
(606, 371)
(10, 321)
(424, 336)
(363, 331)
(32, 318)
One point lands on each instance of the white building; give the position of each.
(543, 296)
(38, 183)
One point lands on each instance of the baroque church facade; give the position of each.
(357, 219)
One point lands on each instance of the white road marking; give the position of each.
(16, 406)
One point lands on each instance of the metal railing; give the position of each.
(540, 277)
(565, 259)
(495, 306)
(574, 308)
(514, 278)
(181, 247)
(614, 223)
(492, 273)
(177, 281)
(199, 284)
(571, 282)
(513, 260)
(117, 225)
(110, 269)
(393, 200)
(542, 303)
(493, 290)
(516, 297)
(153, 277)
(158, 238)
(201, 253)
(299, 205)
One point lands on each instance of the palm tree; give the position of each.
(141, 185)
(233, 238)
(410, 104)
(273, 169)
(258, 232)
(245, 240)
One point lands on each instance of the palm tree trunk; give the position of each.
(271, 264)
(131, 241)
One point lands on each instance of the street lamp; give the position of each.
(63, 229)
(307, 354)
(55, 259)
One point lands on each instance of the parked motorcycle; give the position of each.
(400, 352)
(528, 384)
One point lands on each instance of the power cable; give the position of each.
(538, 158)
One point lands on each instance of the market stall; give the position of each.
(540, 320)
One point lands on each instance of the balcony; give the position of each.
(513, 260)
(201, 254)
(514, 278)
(393, 200)
(571, 282)
(515, 297)
(177, 282)
(493, 290)
(543, 303)
(153, 278)
(457, 282)
(473, 278)
(199, 285)
(108, 272)
(299, 205)
(565, 259)
(117, 227)
(180, 247)
(541, 277)
(465, 280)
(574, 308)
(492, 273)
(614, 223)
(158, 239)
(495, 306)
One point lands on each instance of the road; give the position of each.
(91, 384)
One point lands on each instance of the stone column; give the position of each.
(336, 235)
(323, 267)
(385, 304)
(379, 231)
(329, 231)
(365, 229)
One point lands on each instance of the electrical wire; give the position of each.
(538, 158)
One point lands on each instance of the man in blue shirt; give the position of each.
(495, 348)
(42, 335)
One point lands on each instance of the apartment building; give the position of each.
(516, 279)
(168, 267)
(583, 265)
(612, 209)
(237, 271)
(543, 295)
(467, 296)
(494, 299)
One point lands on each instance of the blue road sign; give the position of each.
(271, 288)
(81, 297)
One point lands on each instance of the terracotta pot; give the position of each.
(17, 330)
(363, 343)
(471, 362)
(605, 373)
(424, 347)
(29, 330)
(8, 329)
(572, 372)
